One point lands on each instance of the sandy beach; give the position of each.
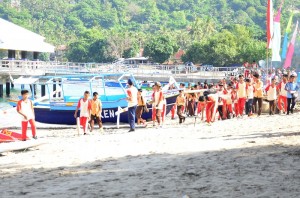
(248, 157)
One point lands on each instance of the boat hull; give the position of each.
(66, 117)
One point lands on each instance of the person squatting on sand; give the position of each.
(140, 107)
(96, 110)
(25, 109)
(132, 98)
(84, 104)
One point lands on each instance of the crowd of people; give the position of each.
(225, 100)
(238, 97)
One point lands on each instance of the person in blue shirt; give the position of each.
(292, 93)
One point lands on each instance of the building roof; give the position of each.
(14, 37)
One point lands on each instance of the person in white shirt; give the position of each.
(132, 98)
(241, 93)
(272, 96)
(25, 109)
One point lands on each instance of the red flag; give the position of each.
(270, 15)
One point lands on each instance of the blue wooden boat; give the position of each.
(59, 105)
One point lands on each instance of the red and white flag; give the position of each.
(270, 23)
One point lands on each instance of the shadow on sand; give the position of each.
(271, 171)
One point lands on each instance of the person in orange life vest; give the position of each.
(84, 104)
(153, 105)
(25, 109)
(180, 101)
(96, 109)
(250, 95)
(234, 98)
(132, 98)
(211, 101)
(282, 99)
(222, 102)
(271, 96)
(258, 94)
(241, 92)
(158, 102)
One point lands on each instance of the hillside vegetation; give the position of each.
(103, 30)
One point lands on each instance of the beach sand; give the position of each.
(248, 157)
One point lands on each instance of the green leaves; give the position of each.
(160, 48)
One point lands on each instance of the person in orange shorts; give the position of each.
(25, 109)
(211, 101)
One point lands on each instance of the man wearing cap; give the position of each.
(132, 98)
(158, 102)
(258, 94)
(292, 93)
(282, 94)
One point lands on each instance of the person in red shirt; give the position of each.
(211, 102)
(84, 104)
(25, 109)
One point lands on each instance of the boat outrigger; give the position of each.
(64, 92)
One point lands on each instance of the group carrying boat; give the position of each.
(63, 93)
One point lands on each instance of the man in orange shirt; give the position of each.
(96, 109)
(258, 94)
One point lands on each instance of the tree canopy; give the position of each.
(102, 30)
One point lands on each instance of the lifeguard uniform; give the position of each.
(241, 93)
(85, 107)
(26, 107)
(282, 96)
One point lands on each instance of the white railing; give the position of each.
(24, 67)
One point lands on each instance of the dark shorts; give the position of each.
(95, 117)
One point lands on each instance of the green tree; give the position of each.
(160, 48)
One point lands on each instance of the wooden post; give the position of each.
(7, 89)
(43, 90)
(1, 90)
